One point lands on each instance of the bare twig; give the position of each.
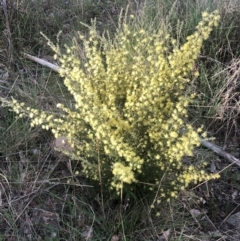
(43, 62)
(220, 152)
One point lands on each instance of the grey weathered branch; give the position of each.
(204, 143)
(220, 152)
(43, 62)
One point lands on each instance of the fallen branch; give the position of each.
(220, 152)
(43, 62)
(204, 143)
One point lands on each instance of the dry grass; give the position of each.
(229, 106)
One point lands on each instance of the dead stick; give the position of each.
(204, 143)
(220, 152)
(43, 62)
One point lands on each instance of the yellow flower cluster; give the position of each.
(123, 174)
(192, 174)
(128, 123)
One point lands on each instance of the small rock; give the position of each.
(234, 221)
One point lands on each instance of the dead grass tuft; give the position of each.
(229, 107)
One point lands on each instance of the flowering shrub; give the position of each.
(127, 125)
